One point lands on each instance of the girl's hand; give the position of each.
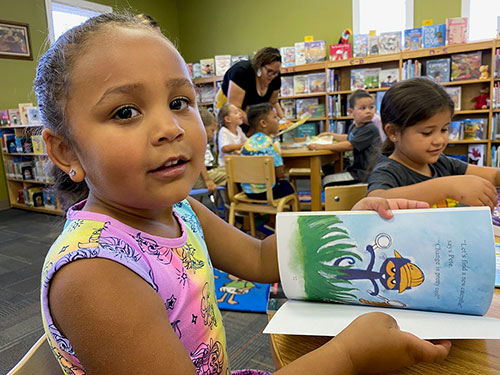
(384, 206)
(373, 343)
(473, 191)
(211, 186)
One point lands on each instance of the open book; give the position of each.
(419, 267)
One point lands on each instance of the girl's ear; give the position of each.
(392, 132)
(63, 156)
(227, 119)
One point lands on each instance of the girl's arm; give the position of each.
(337, 146)
(232, 147)
(488, 173)
(235, 96)
(274, 101)
(468, 189)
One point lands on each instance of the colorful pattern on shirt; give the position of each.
(178, 269)
(261, 144)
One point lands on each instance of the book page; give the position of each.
(432, 259)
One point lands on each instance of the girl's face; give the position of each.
(423, 142)
(234, 117)
(134, 125)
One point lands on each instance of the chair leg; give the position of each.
(231, 214)
(252, 223)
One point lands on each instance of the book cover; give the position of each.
(4, 117)
(289, 108)
(317, 82)
(457, 30)
(23, 112)
(300, 53)
(196, 70)
(207, 67)
(390, 42)
(413, 39)
(388, 77)
(357, 79)
(286, 86)
(222, 64)
(359, 258)
(433, 35)
(33, 114)
(360, 45)
(465, 66)
(455, 131)
(438, 70)
(371, 76)
(373, 45)
(9, 140)
(38, 144)
(317, 111)
(304, 105)
(315, 51)
(341, 51)
(308, 129)
(300, 84)
(474, 128)
(455, 93)
(287, 56)
(378, 99)
(235, 59)
(476, 154)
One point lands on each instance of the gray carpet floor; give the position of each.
(25, 238)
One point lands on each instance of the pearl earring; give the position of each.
(72, 172)
(259, 73)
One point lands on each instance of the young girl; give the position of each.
(416, 114)
(264, 122)
(128, 285)
(230, 137)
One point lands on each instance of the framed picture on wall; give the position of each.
(15, 40)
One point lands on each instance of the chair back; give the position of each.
(343, 198)
(38, 360)
(250, 170)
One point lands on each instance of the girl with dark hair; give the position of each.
(416, 114)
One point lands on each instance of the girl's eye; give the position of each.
(427, 133)
(445, 130)
(126, 113)
(179, 104)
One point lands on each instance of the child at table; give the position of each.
(416, 114)
(363, 139)
(230, 137)
(211, 175)
(128, 285)
(264, 123)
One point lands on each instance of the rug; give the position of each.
(240, 295)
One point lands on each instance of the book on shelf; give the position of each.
(378, 99)
(286, 86)
(360, 45)
(438, 70)
(317, 111)
(455, 93)
(287, 56)
(475, 128)
(476, 154)
(433, 35)
(207, 67)
(338, 126)
(456, 131)
(304, 105)
(23, 112)
(496, 127)
(315, 51)
(300, 53)
(497, 63)
(238, 58)
(465, 66)
(4, 117)
(436, 280)
(333, 80)
(389, 42)
(388, 77)
(342, 51)
(413, 39)
(457, 30)
(334, 106)
(33, 114)
(371, 77)
(317, 82)
(196, 70)
(373, 45)
(300, 84)
(357, 79)
(14, 116)
(23, 145)
(38, 144)
(289, 108)
(222, 64)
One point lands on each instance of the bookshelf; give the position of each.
(26, 169)
(206, 90)
(337, 91)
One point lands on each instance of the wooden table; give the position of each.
(312, 159)
(474, 357)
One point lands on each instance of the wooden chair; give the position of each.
(38, 360)
(254, 170)
(343, 198)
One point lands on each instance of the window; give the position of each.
(381, 15)
(482, 18)
(65, 14)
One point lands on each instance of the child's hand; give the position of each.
(373, 343)
(211, 186)
(473, 191)
(384, 206)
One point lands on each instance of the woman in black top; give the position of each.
(253, 82)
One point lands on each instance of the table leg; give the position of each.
(315, 183)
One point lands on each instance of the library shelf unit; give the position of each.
(30, 174)
(206, 90)
(338, 88)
